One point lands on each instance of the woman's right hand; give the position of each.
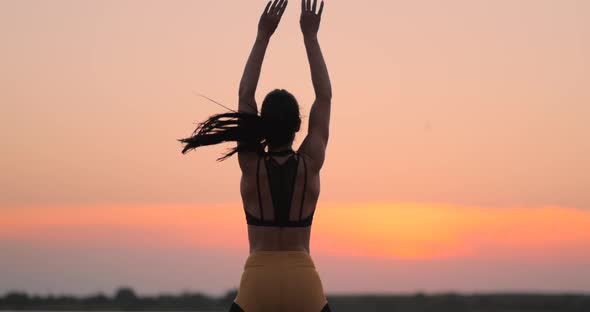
(310, 21)
(271, 17)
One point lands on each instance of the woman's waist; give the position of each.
(279, 259)
(278, 239)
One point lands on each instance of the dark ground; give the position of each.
(125, 299)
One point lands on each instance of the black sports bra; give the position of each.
(281, 179)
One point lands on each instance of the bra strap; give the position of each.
(304, 184)
(258, 188)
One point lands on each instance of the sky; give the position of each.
(458, 160)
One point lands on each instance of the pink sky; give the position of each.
(460, 128)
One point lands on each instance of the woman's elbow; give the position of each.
(324, 95)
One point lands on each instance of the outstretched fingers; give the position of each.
(283, 8)
(275, 7)
(308, 7)
(266, 9)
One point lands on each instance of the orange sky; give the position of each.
(174, 246)
(460, 128)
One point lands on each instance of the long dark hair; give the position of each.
(276, 125)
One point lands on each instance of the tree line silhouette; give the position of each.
(125, 299)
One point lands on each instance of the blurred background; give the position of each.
(459, 158)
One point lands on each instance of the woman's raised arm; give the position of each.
(316, 141)
(269, 21)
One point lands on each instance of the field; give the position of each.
(125, 299)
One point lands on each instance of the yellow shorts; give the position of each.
(285, 281)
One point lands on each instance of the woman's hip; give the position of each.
(284, 279)
(280, 270)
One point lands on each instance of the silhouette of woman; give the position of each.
(279, 187)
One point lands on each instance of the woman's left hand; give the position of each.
(271, 17)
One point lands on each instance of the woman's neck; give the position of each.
(286, 147)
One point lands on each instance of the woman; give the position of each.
(279, 187)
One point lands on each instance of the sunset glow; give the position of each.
(420, 231)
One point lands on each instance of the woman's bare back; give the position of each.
(279, 238)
